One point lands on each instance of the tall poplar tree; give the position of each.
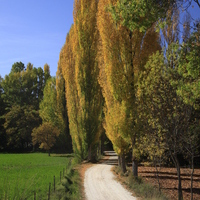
(67, 63)
(108, 56)
(123, 55)
(64, 139)
(86, 73)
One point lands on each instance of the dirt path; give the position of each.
(99, 182)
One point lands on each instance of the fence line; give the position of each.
(54, 185)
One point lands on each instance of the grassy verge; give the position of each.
(22, 175)
(70, 186)
(138, 186)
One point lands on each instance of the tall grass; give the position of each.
(69, 188)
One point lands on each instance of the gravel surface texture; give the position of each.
(100, 183)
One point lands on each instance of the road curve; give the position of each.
(99, 182)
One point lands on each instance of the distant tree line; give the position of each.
(29, 99)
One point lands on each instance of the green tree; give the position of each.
(40, 83)
(48, 107)
(53, 111)
(188, 88)
(22, 93)
(189, 70)
(29, 66)
(166, 112)
(19, 122)
(64, 139)
(46, 73)
(17, 67)
(141, 15)
(2, 112)
(191, 145)
(24, 87)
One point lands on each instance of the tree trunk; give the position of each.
(135, 167)
(180, 194)
(192, 172)
(134, 162)
(49, 152)
(157, 175)
(102, 145)
(119, 161)
(123, 163)
(89, 153)
(99, 149)
(94, 155)
(92, 152)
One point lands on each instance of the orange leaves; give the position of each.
(45, 135)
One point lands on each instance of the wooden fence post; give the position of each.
(54, 183)
(49, 191)
(34, 195)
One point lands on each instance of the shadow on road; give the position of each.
(109, 153)
(111, 162)
(113, 159)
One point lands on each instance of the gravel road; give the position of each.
(99, 182)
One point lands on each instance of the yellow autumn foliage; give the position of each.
(122, 56)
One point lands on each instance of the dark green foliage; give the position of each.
(48, 110)
(189, 70)
(24, 88)
(44, 134)
(19, 122)
(53, 110)
(21, 93)
(17, 67)
(2, 112)
(141, 14)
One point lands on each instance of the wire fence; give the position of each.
(50, 190)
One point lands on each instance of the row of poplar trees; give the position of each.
(137, 82)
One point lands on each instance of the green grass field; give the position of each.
(22, 174)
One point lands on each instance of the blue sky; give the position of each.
(33, 31)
